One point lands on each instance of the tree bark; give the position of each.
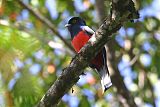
(100, 8)
(126, 98)
(70, 75)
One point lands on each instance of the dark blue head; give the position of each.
(74, 25)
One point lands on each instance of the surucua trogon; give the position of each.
(80, 34)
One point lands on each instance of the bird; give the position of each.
(80, 34)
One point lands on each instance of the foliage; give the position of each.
(29, 66)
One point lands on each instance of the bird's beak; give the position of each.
(67, 25)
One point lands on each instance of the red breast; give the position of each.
(80, 40)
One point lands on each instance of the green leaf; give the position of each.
(156, 62)
(27, 90)
(84, 102)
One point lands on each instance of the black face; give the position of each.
(76, 21)
(74, 25)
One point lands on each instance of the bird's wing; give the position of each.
(88, 30)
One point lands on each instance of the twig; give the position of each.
(46, 22)
(133, 61)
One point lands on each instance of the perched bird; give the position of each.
(80, 34)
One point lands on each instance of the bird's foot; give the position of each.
(83, 73)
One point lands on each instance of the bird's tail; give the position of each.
(105, 79)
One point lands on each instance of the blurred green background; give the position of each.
(32, 56)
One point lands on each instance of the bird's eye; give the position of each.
(74, 21)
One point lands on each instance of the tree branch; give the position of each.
(46, 22)
(100, 8)
(71, 74)
(124, 95)
(147, 82)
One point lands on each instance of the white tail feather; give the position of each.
(105, 79)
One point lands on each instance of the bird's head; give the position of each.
(75, 21)
(74, 25)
